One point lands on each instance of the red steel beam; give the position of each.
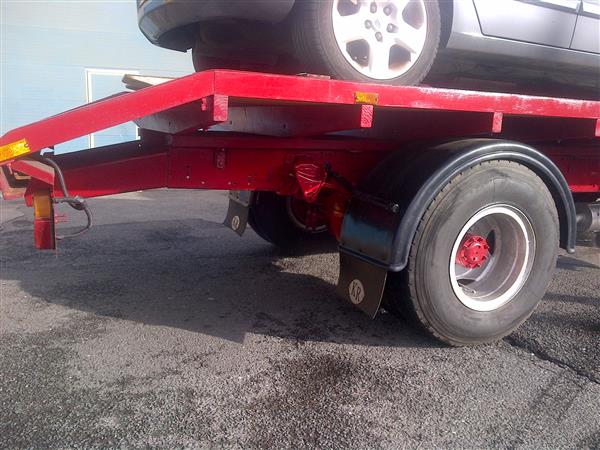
(307, 89)
(580, 166)
(208, 162)
(253, 163)
(198, 168)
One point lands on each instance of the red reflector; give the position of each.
(43, 223)
(43, 231)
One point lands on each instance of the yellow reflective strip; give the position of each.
(368, 98)
(14, 149)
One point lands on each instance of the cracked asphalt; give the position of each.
(161, 328)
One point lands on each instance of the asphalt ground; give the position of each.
(161, 328)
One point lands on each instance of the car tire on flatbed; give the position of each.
(482, 256)
(391, 42)
(202, 62)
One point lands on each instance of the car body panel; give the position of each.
(466, 37)
(540, 22)
(587, 35)
(587, 30)
(157, 17)
(590, 8)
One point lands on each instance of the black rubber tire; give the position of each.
(282, 65)
(315, 45)
(269, 218)
(422, 291)
(202, 62)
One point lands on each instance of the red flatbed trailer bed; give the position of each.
(501, 179)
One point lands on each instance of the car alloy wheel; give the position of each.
(383, 41)
(380, 39)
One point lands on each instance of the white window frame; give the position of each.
(89, 97)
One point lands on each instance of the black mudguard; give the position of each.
(385, 210)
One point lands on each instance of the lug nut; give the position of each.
(379, 36)
(373, 7)
(391, 28)
(368, 24)
(387, 10)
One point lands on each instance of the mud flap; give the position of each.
(361, 283)
(366, 244)
(237, 213)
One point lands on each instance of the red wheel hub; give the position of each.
(473, 252)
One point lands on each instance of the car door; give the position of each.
(547, 22)
(587, 31)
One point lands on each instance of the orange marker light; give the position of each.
(366, 98)
(42, 205)
(14, 149)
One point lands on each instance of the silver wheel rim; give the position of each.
(503, 272)
(380, 39)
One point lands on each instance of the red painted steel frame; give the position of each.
(280, 106)
(210, 162)
(222, 84)
(247, 163)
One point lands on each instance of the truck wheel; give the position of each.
(392, 41)
(482, 256)
(284, 221)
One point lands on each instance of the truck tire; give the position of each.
(274, 219)
(368, 41)
(482, 257)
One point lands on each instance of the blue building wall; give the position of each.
(56, 55)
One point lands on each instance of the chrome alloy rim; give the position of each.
(380, 39)
(492, 257)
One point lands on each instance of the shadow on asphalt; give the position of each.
(551, 296)
(570, 263)
(197, 276)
